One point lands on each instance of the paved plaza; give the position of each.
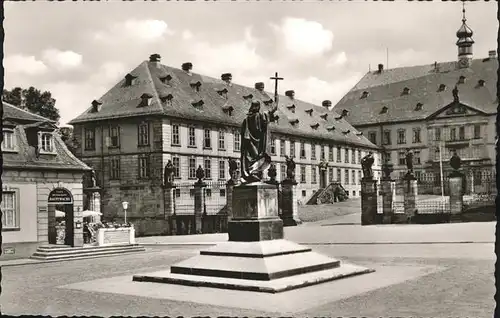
(421, 270)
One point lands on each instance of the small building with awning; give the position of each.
(40, 176)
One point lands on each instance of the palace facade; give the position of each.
(158, 113)
(434, 110)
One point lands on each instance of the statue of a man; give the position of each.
(366, 164)
(169, 173)
(200, 174)
(254, 138)
(233, 168)
(93, 179)
(409, 161)
(290, 168)
(455, 161)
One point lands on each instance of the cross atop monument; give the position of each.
(276, 79)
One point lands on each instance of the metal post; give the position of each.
(441, 169)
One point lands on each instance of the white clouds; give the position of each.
(144, 30)
(109, 72)
(24, 64)
(337, 60)
(305, 38)
(62, 60)
(187, 35)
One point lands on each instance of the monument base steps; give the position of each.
(270, 266)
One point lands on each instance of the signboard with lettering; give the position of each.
(60, 196)
(9, 250)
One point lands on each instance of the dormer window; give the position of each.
(480, 82)
(345, 112)
(309, 111)
(364, 95)
(228, 109)
(359, 133)
(384, 110)
(441, 88)
(96, 106)
(196, 86)
(290, 94)
(9, 141)
(461, 79)
(330, 128)
(406, 91)
(146, 100)
(198, 104)
(130, 80)
(324, 116)
(291, 108)
(345, 132)
(294, 122)
(268, 102)
(418, 107)
(248, 97)
(167, 99)
(223, 92)
(46, 142)
(166, 79)
(315, 126)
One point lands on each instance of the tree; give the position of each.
(33, 100)
(66, 134)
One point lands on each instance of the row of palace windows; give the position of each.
(45, 141)
(350, 155)
(144, 168)
(452, 134)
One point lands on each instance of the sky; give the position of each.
(79, 50)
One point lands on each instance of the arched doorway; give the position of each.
(61, 220)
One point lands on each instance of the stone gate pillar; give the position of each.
(456, 180)
(199, 206)
(388, 191)
(410, 195)
(169, 207)
(289, 207)
(368, 201)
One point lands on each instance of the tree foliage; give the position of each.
(33, 100)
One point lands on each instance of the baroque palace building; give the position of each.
(434, 110)
(158, 113)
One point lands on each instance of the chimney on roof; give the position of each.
(155, 59)
(227, 77)
(259, 86)
(96, 106)
(290, 94)
(187, 67)
(380, 68)
(327, 103)
(492, 54)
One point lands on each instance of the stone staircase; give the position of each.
(65, 252)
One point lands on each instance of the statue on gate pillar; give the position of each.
(169, 173)
(366, 165)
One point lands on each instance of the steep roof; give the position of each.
(12, 112)
(179, 97)
(386, 89)
(25, 157)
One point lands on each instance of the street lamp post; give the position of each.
(125, 207)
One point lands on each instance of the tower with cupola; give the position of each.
(464, 42)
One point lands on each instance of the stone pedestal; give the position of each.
(456, 196)
(255, 214)
(368, 201)
(199, 206)
(289, 207)
(410, 196)
(169, 207)
(256, 257)
(388, 191)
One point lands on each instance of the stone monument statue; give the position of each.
(254, 136)
(455, 163)
(169, 173)
(271, 173)
(455, 94)
(290, 168)
(366, 165)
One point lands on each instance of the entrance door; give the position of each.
(61, 227)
